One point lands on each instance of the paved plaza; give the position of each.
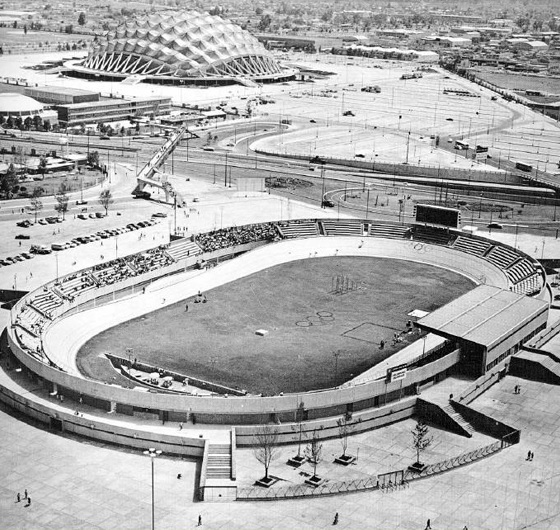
(77, 484)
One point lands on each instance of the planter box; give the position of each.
(266, 482)
(296, 461)
(315, 481)
(344, 459)
(417, 467)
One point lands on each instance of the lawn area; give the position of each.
(306, 323)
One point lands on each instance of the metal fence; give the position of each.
(386, 482)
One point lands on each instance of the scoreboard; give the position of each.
(437, 215)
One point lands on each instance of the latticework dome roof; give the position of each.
(182, 45)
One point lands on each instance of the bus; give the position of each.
(523, 167)
(462, 146)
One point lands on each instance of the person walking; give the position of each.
(429, 525)
(18, 496)
(28, 502)
(335, 522)
(199, 520)
(25, 494)
(186, 308)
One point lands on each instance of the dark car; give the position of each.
(496, 226)
(23, 236)
(328, 203)
(24, 224)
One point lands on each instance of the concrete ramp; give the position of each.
(537, 366)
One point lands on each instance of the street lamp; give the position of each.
(152, 453)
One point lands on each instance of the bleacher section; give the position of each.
(503, 257)
(529, 286)
(298, 229)
(75, 284)
(31, 320)
(430, 234)
(153, 259)
(471, 246)
(389, 231)
(520, 270)
(183, 248)
(343, 227)
(237, 235)
(46, 302)
(111, 272)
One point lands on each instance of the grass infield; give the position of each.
(307, 324)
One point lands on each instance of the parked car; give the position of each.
(497, 226)
(23, 236)
(24, 224)
(159, 214)
(82, 216)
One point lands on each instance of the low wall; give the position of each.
(91, 427)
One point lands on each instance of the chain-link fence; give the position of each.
(386, 482)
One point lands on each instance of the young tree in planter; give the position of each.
(344, 429)
(267, 448)
(106, 199)
(421, 440)
(313, 452)
(61, 200)
(36, 204)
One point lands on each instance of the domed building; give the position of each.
(180, 48)
(13, 105)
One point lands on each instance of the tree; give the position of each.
(267, 448)
(344, 429)
(43, 164)
(93, 158)
(61, 200)
(265, 22)
(36, 204)
(421, 439)
(313, 451)
(82, 18)
(106, 199)
(9, 182)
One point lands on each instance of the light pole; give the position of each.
(153, 453)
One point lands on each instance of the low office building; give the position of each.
(54, 95)
(112, 110)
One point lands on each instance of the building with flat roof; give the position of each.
(54, 95)
(112, 110)
(488, 323)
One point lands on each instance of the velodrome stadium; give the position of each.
(504, 304)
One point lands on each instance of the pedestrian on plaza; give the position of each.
(199, 520)
(179, 476)
(18, 496)
(25, 494)
(532, 455)
(181, 426)
(186, 308)
(335, 522)
(28, 502)
(428, 525)
(528, 455)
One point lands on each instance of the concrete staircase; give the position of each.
(461, 422)
(219, 462)
(443, 413)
